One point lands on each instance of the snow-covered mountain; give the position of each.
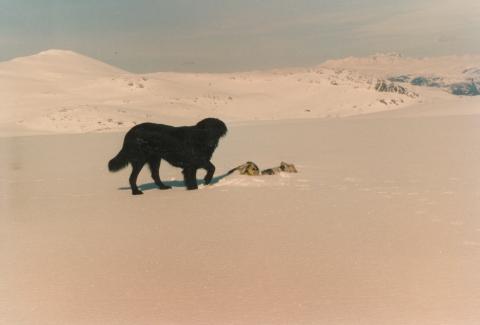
(458, 75)
(63, 91)
(49, 64)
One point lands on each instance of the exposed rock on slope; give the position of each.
(458, 88)
(464, 89)
(384, 86)
(428, 82)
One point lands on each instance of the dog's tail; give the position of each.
(118, 162)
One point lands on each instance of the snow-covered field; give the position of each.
(380, 225)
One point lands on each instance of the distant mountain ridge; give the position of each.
(458, 75)
(63, 91)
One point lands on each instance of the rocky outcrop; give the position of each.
(464, 89)
(390, 87)
(419, 80)
(427, 82)
(401, 78)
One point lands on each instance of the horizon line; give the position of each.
(391, 54)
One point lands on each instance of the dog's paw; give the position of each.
(207, 180)
(137, 192)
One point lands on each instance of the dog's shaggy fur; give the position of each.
(187, 147)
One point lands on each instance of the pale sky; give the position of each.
(227, 35)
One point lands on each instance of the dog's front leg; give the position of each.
(210, 171)
(190, 177)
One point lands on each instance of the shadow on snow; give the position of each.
(151, 186)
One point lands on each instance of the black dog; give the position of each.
(187, 147)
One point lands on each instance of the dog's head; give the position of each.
(213, 126)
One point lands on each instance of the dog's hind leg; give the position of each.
(210, 171)
(154, 165)
(190, 177)
(136, 168)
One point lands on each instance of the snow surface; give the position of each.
(380, 225)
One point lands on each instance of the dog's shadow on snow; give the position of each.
(173, 184)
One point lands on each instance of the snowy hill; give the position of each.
(63, 91)
(458, 75)
(392, 63)
(59, 63)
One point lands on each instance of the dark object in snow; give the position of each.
(390, 87)
(428, 82)
(283, 168)
(401, 78)
(251, 169)
(464, 89)
(187, 147)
